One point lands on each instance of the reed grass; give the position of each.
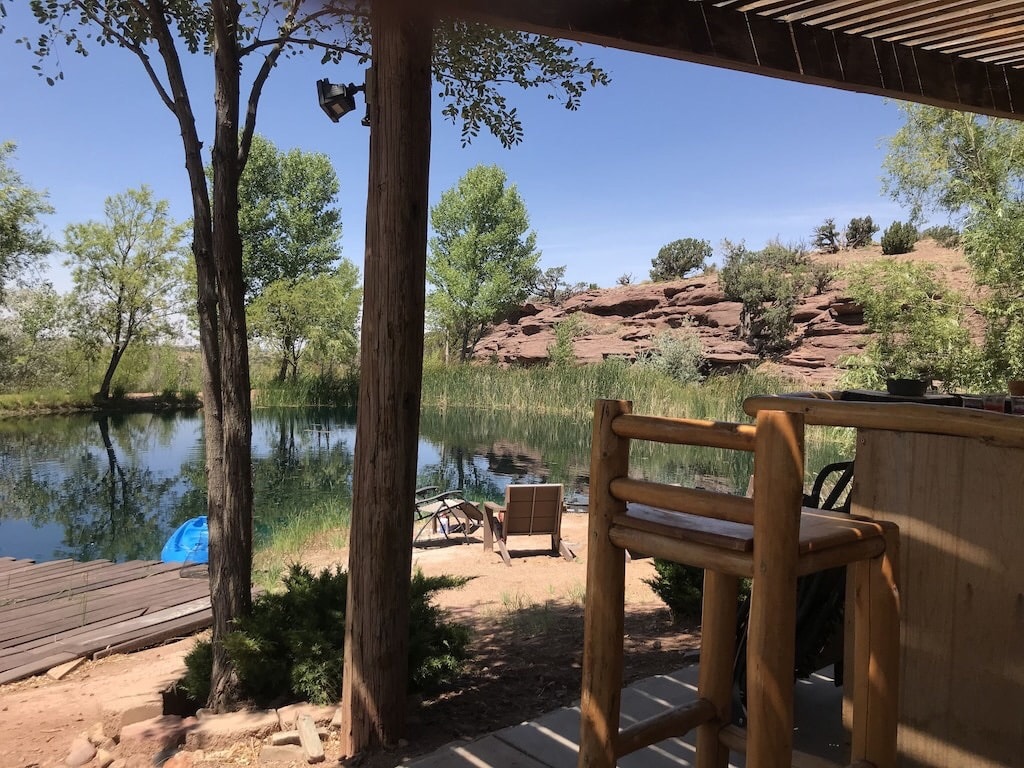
(37, 400)
(307, 391)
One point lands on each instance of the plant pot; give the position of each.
(907, 387)
(1016, 387)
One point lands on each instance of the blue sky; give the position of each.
(668, 150)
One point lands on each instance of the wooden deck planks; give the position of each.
(61, 610)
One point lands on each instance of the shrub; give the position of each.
(944, 235)
(561, 352)
(823, 276)
(826, 237)
(291, 646)
(859, 232)
(624, 279)
(681, 588)
(678, 353)
(768, 283)
(680, 257)
(899, 237)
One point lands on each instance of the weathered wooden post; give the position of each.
(380, 550)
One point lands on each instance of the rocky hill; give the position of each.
(623, 321)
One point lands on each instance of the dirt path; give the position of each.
(527, 631)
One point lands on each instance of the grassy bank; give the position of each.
(571, 391)
(324, 527)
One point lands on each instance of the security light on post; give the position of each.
(338, 100)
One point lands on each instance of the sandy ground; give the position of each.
(526, 622)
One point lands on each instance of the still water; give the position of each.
(115, 486)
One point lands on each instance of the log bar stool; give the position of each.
(768, 538)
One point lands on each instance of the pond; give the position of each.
(115, 486)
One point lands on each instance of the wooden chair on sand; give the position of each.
(529, 510)
(769, 538)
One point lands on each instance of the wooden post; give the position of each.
(876, 668)
(717, 651)
(771, 640)
(603, 615)
(387, 424)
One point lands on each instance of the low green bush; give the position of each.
(681, 588)
(899, 237)
(292, 645)
(944, 235)
(859, 232)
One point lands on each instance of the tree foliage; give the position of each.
(310, 317)
(859, 232)
(917, 324)
(482, 261)
(22, 237)
(679, 258)
(899, 237)
(127, 272)
(768, 283)
(473, 65)
(551, 286)
(826, 237)
(972, 169)
(288, 218)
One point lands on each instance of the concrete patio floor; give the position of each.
(552, 740)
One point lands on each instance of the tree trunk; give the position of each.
(387, 423)
(231, 528)
(115, 358)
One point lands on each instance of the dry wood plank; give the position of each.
(143, 593)
(90, 581)
(159, 633)
(34, 571)
(694, 501)
(34, 667)
(79, 612)
(8, 564)
(92, 641)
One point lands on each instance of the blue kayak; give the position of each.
(188, 544)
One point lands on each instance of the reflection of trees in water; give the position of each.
(103, 500)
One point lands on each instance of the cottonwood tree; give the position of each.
(470, 61)
(482, 260)
(288, 215)
(314, 314)
(972, 169)
(128, 273)
(22, 237)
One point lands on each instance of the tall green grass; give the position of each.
(307, 391)
(571, 391)
(324, 525)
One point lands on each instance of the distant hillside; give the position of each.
(622, 321)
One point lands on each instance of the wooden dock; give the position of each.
(58, 611)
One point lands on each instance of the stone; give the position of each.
(322, 714)
(310, 739)
(103, 758)
(119, 763)
(149, 737)
(283, 754)
(81, 752)
(179, 760)
(95, 734)
(221, 731)
(121, 712)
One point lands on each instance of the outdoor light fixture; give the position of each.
(338, 100)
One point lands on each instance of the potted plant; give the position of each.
(906, 375)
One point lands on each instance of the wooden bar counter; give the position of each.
(953, 480)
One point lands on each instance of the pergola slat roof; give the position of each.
(959, 54)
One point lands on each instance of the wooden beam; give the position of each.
(724, 37)
(374, 689)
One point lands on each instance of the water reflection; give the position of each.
(98, 486)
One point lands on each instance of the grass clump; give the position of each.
(292, 645)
